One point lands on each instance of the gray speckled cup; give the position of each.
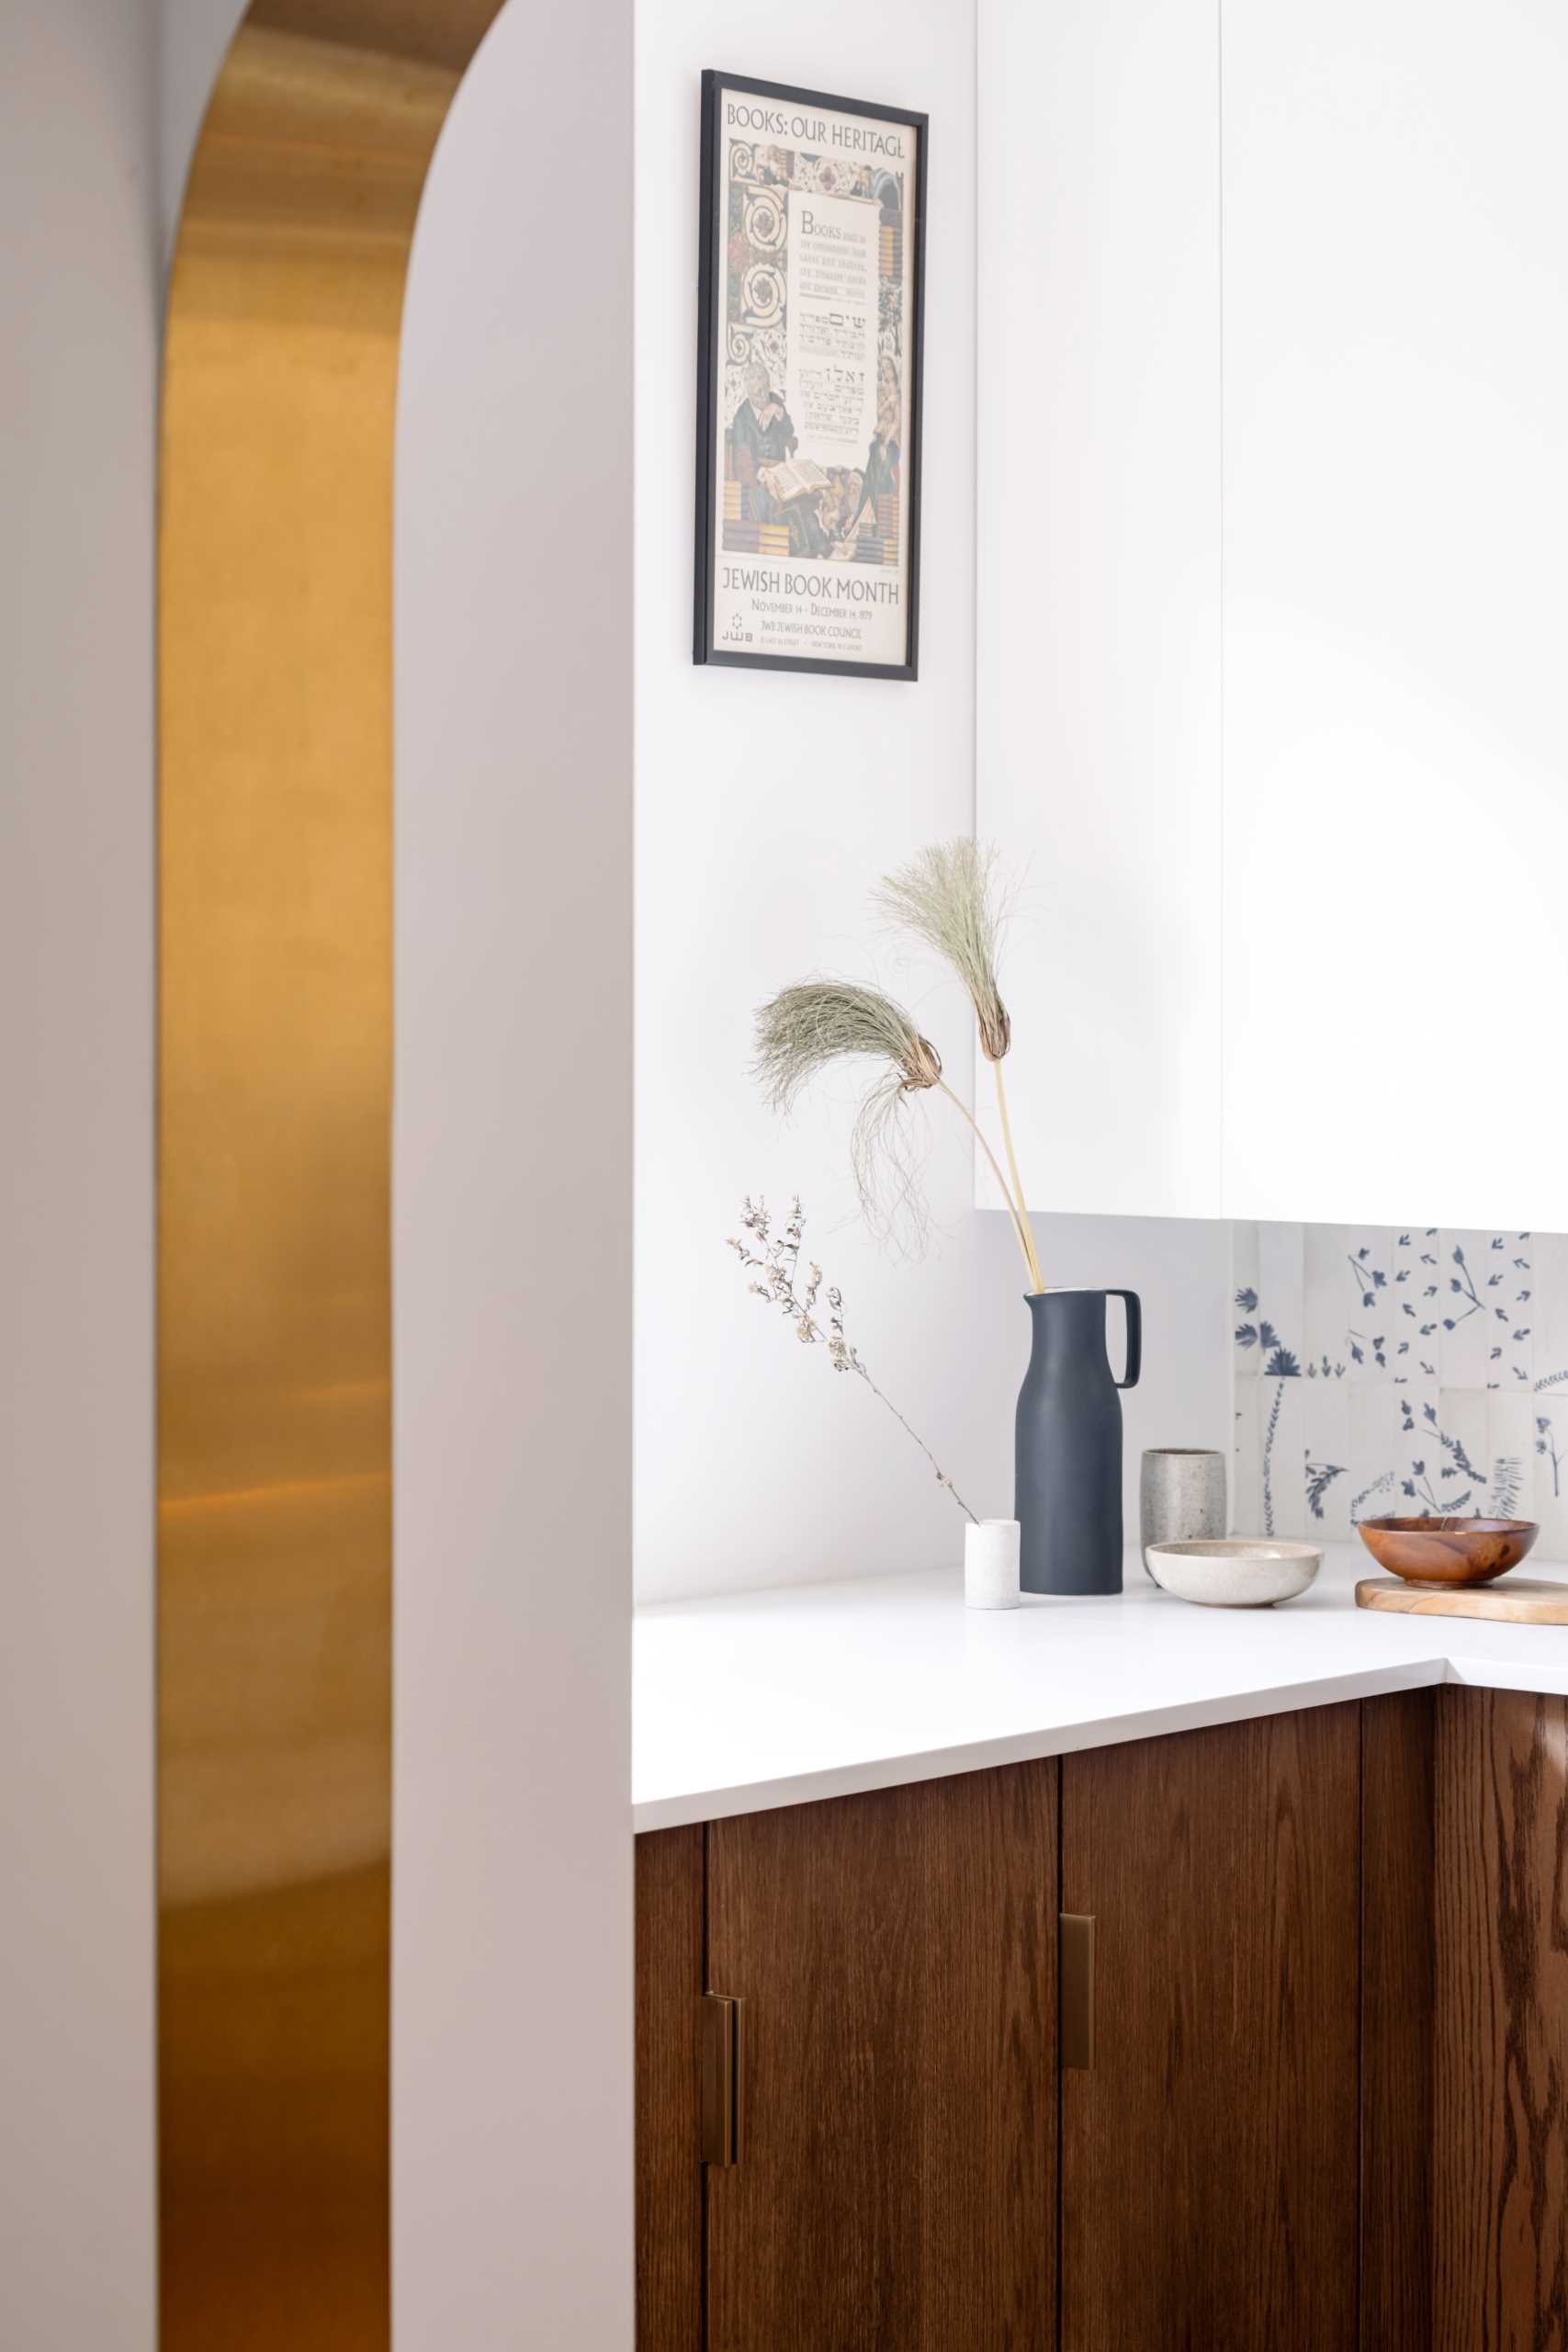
(1182, 1494)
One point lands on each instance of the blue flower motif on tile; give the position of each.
(1369, 1279)
(1369, 1494)
(1463, 1285)
(1320, 1476)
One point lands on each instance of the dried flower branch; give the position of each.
(949, 896)
(773, 1261)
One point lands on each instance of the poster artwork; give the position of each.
(812, 326)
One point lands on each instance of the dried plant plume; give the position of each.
(773, 1262)
(816, 1023)
(804, 1028)
(949, 896)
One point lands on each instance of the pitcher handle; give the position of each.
(1134, 1307)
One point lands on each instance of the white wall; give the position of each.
(514, 2179)
(512, 1848)
(767, 807)
(196, 35)
(78, 361)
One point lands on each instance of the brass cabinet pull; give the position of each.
(1077, 1989)
(721, 2079)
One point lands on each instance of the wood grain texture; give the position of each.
(1449, 1551)
(1397, 1964)
(1209, 2161)
(669, 2171)
(1523, 1600)
(1500, 2213)
(898, 1957)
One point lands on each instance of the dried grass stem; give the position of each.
(1026, 1231)
(1023, 1242)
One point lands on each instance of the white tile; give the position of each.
(1550, 1416)
(1279, 1318)
(1422, 1454)
(1355, 1279)
(1322, 1505)
(1244, 1351)
(1487, 1314)
(1421, 1308)
(1410, 1356)
(1281, 1452)
(1483, 1453)
(1246, 1469)
(1511, 1455)
(1329, 1286)
(1455, 1461)
(1549, 1311)
(1549, 1498)
(1387, 1418)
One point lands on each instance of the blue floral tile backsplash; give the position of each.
(1407, 1369)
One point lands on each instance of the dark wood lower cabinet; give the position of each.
(1329, 2104)
(1209, 2175)
(1500, 2214)
(670, 1935)
(1398, 1955)
(896, 1957)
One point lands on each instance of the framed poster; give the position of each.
(808, 382)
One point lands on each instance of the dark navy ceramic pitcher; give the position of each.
(1068, 1465)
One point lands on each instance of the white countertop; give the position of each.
(773, 1697)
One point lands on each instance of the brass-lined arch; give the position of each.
(275, 1601)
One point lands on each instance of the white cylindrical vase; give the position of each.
(990, 1564)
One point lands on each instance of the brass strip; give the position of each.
(723, 2066)
(276, 1037)
(1077, 1990)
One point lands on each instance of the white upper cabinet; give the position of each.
(1097, 678)
(1273, 543)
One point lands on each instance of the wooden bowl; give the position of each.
(1449, 1551)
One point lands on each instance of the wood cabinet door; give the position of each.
(1500, 2212)
(896, 1954)
(1209, 2154)
(668, 2091)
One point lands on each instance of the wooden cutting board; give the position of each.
(1518, 1601)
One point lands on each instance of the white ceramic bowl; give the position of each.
(1234, 1571)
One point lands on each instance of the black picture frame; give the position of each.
(711, 284)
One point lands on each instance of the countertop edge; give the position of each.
(859, 1777)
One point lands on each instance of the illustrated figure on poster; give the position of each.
(764, 443)
(880, 465)
(761, 434)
